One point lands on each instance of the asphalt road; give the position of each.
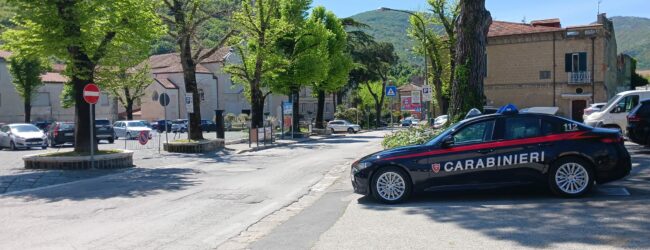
(502, 218)
(197, 204)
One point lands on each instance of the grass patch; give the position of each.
(73, 153)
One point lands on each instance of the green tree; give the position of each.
(377, 61)
(26, 71)
(185, 18)
(341, 63)
(467, 89)
(81, 33)
(127, 84)
(259, 27)
(304, 45)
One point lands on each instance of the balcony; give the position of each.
(580, 77)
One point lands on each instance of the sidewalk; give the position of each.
(241, 148)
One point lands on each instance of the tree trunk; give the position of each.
(28, 110)
(339, 98)
(467, 88)
(129, 109)
(82, 74)
(257, 108)
(333, 103)
(295, 120)
(320, 109)
(189, 77)
(380, 105)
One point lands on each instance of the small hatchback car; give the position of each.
(506, 147)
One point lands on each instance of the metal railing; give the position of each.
(579, 77)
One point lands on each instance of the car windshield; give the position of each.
(24, 128)
(612, 101)
(135, 124)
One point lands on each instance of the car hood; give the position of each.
(29, 134)
(395, 152)
(139, 129)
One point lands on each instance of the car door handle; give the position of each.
(485, 151)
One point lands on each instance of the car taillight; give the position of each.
(633, 118)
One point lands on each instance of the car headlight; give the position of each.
(361, 166)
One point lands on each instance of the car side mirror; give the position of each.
(448, 142)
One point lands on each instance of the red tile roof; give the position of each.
(219, 56)
(501, 28)
(171, 63)
(52, 77)
(166, 83)
(409, 87)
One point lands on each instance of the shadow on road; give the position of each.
(532, 217)
(137, 182)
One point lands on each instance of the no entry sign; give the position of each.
(91, 93)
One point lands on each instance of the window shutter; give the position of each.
(583, 61)
(567, 62)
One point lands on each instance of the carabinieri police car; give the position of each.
(506, 147)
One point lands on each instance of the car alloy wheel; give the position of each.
(571, 177)
(390, 185)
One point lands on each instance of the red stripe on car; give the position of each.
(505, 143)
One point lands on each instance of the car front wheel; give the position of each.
(390, 185)
(571, 177)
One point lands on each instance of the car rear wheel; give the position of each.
(571, 177)
(390, 185)
(351, 131)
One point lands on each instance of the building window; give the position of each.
(103, 99)
(544, 74)
(201, 94)
(572, 33)
(41, 99)
(575, 62)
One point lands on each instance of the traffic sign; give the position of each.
(143, 137)
(427, 93)
(91, 93)
(391, 91)
(163, 99)
(189, 103)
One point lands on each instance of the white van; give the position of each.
(614, 113)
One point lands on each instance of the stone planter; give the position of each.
(321, 131)
(122, 159)
(194, 147)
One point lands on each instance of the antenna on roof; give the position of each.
(598, 8)
(523, 20)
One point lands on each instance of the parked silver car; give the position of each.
(22, 135)
(130, 129)
(343, 126)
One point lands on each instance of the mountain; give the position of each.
(390, 26)
(633, 38)
(632, 34)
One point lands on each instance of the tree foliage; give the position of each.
(81, 34)
(185, 20)
(260, 26)
(126, 83)
(26, 71)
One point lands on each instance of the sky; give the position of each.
(570, 12)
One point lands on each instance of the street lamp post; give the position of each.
(425, 41)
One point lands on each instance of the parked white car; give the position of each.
(130, 129)
(343, 126)
(594, 107)
(440, 121)
(614, 113)
(22, 136)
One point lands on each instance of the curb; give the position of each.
(255, 149)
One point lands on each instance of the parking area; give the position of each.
(13, 176)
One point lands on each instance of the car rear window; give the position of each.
(102, 122)
(66, 126)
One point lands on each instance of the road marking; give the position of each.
(613, 191)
